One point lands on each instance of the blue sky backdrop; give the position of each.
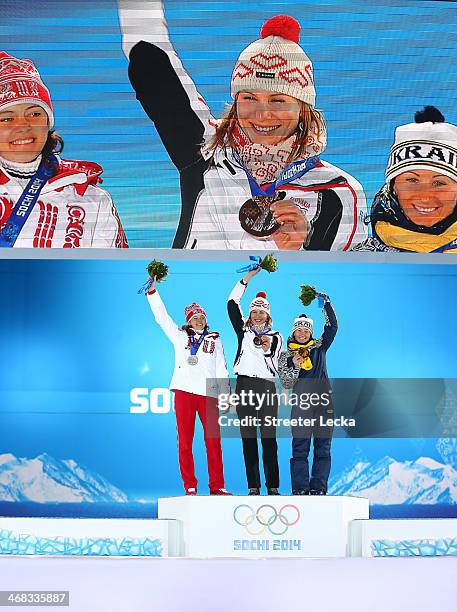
(77, 337)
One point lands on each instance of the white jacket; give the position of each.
(250, 360)
(71, 211)
(215, 223)
(209, 376)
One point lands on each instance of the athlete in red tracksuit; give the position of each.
(67, 209)
(200, 373)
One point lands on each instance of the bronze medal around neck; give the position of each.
(256, 217)
(257, 340)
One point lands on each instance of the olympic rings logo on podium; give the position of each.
(266, 517)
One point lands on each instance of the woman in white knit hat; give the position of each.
(254, 178)
(256, 367)
(45, 201)
(303, 367)
(416, 209)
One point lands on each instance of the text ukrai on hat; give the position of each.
(303, 322)
(424, 145)
(429, 144)
(20, 82)
(276, 62)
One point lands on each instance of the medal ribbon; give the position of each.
(262, 333)
(194, 346)
(27, 201)
(147, 285)
(447, 248)
(256, 261)
(291, 172)
(306, 363)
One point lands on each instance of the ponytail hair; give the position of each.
(53, 144)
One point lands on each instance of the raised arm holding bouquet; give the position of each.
(300, 367)
(256, 366)
(199, 373)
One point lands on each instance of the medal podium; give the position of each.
(259, 527)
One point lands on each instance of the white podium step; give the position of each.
(90, 537)
(255, 527)
(403, 538)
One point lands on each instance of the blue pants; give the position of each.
(299, 465)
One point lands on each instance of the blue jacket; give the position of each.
(290, 374)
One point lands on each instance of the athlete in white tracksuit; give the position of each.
(199, 376)
(322, 208)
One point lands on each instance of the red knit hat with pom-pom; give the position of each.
(276, 62)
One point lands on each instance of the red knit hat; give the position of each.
(20, 82)
(192, 310)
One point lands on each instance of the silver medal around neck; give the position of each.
(192, 360)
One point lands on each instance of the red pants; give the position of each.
(187, 405)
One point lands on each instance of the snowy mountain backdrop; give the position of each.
(48, 480)
(424, 481)
(385, 482)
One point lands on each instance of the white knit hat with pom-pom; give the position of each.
(427, 144)
(260, 302)
(276, 62)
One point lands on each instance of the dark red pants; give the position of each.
(187, 405)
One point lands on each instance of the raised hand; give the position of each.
(153, 284)
(297, 359)
(251, 274)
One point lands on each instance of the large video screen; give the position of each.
(373, 66)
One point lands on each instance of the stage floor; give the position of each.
(224, 585)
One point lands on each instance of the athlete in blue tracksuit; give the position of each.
(303, 367)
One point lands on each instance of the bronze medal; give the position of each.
(256, 217)
(257, 340)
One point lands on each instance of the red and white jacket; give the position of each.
(71, 211)
(209, 376)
